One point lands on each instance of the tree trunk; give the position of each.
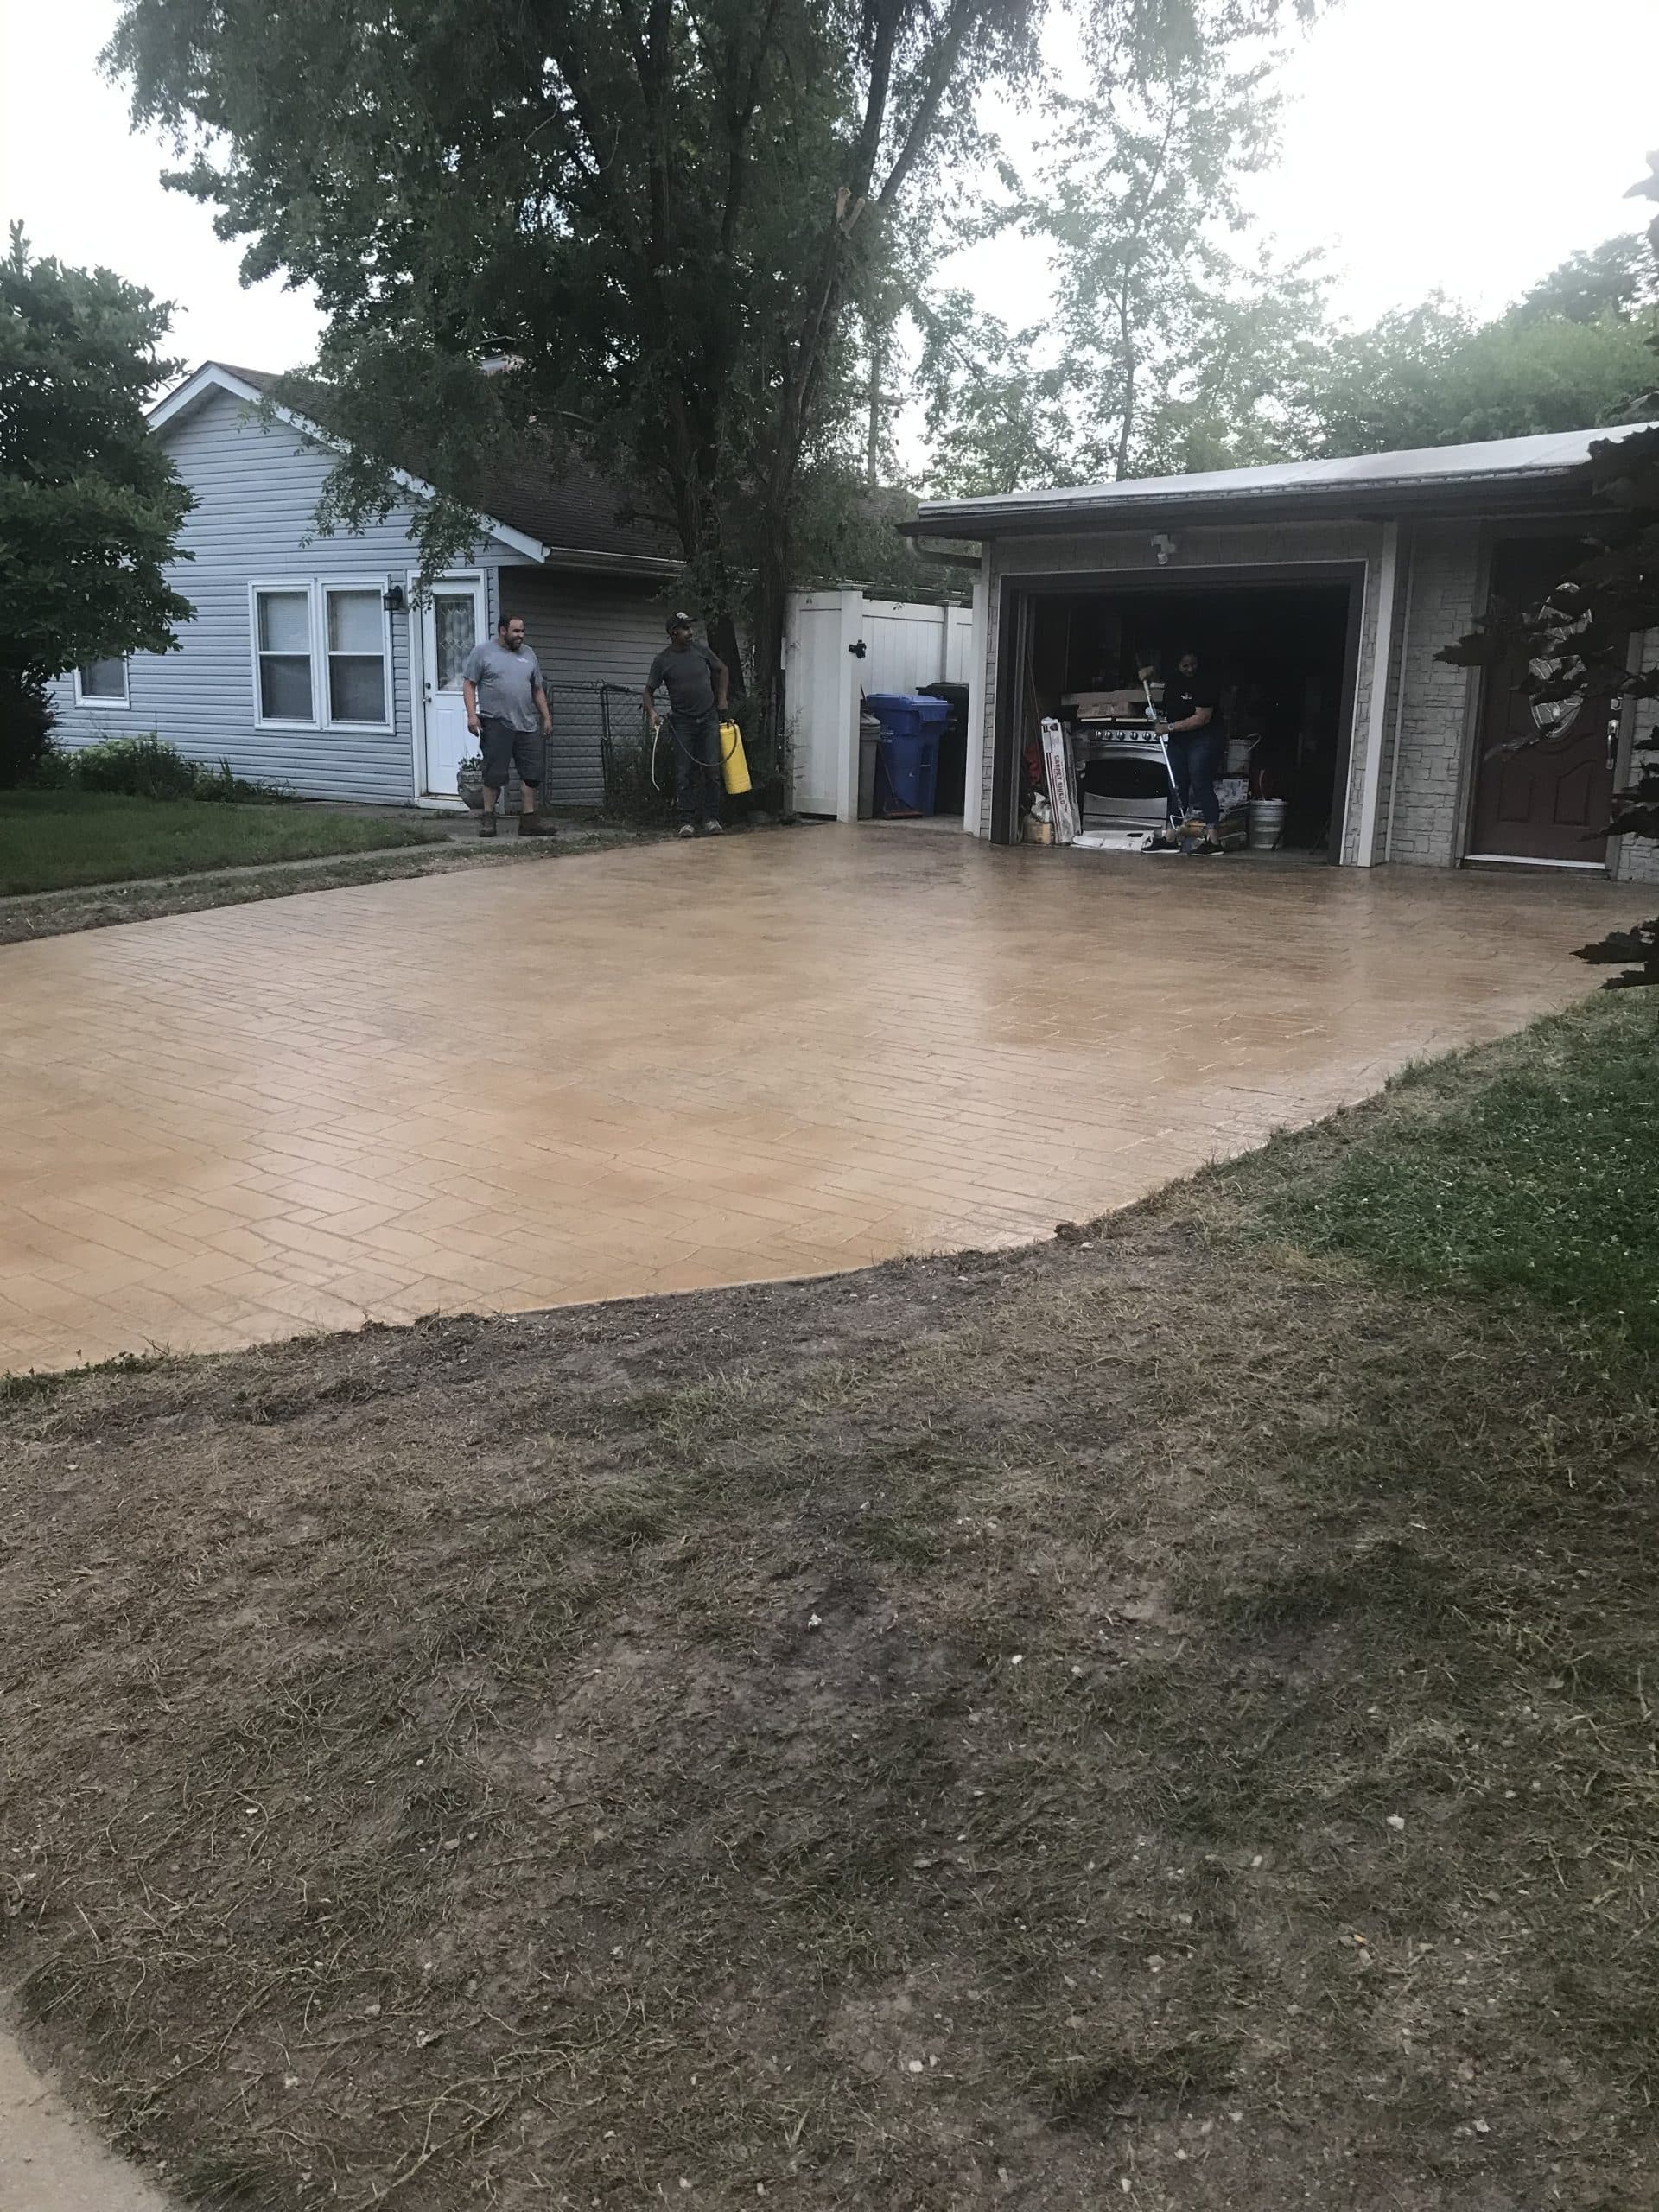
(878, 342)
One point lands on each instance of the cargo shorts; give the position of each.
(505, 748)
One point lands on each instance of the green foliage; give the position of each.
(661, 215)
(1432, 377)
(90, 508)
(1165, 350)
(1544, 1180)
(26, 726)
(1618, 278)
(142, 768)
(149, 767)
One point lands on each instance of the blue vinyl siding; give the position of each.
(257, 492)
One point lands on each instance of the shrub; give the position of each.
(137, 767)
(26, 724)
(149, 767)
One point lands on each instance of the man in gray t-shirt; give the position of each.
(697, 680)
(506, 712)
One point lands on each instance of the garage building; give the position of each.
(1317, 596)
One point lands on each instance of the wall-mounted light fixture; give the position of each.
(1163, 545)
(395, 601)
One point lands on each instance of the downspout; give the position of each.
(1399, 701)
(1377, 705)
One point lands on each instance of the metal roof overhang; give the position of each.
(1561, 497)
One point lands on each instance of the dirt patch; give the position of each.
(1156, 1718)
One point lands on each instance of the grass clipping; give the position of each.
(1164, 1719)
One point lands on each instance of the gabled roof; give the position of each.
(1498, 472)
(569, 518)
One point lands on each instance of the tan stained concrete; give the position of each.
(685, 1064)
(50, 2159)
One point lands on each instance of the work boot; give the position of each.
(712, 828)
(532, 825)
(487, 824)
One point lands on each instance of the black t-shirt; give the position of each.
(690, 674)
(1184, 695)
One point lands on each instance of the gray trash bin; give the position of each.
(869, 749)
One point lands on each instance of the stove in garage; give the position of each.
(1122, 769)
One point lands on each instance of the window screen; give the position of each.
(356, 668)
(284, 635)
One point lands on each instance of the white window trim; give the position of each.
(110, 706)
(292, 585)
(320, 625)
(316, 590)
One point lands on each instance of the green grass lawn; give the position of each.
(1545, 1178)
(53, 840)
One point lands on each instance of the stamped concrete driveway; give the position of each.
(678, 1065)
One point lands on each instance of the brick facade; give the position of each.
(1637, 859)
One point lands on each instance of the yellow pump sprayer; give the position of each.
(734, 762)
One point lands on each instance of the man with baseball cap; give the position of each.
(697, 681)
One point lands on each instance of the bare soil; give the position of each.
(1161, 1718)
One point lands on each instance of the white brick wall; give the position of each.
(1637, 859)
(1427, 783)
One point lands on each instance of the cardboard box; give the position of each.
(1128, 705)
(1062, 793)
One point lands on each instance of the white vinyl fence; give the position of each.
(905, 645)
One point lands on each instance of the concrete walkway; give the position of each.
(677, 1065)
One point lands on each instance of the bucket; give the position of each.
(1267, 823)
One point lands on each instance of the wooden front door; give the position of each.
(1547, 802)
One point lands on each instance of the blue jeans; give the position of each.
(1194, 757)
(697, 780)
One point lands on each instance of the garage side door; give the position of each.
(1545, 802)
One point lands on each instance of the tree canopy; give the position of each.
(661, 209)
(90, 508)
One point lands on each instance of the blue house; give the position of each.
(308, 664)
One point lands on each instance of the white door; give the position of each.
(452, 623)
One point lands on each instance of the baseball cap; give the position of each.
(680, 621)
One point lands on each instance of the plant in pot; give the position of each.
(469, 781)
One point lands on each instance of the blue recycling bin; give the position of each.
(912, 726)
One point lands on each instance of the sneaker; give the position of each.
(712, 828)
(688, 830)
(486, 826)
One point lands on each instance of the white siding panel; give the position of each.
(908, 644)
(257, 492)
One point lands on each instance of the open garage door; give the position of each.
(1279, 644)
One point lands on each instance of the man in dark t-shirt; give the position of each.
(1191, 727)
(697, 680)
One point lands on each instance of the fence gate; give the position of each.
(839, 646)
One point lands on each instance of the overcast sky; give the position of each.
(1462, 145)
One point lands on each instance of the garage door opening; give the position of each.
(1281, 649)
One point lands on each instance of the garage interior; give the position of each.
(1281, 651)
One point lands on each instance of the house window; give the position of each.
(101, 683)
(282, 647)
(358, 686)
